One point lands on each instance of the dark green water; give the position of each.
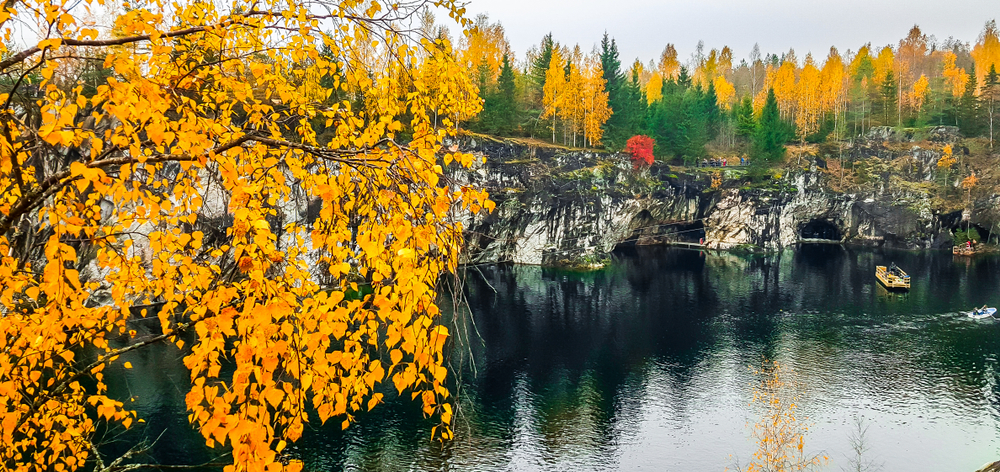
(644, 366)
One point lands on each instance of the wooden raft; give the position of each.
(894, 279)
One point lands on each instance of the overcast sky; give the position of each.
(642, 28)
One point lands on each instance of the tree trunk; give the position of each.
(553, 126)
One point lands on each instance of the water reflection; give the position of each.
(644, 365)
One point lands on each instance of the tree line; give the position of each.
(710, 101)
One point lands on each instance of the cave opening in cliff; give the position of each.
(690, 233)
(646, 231)
(821, 229)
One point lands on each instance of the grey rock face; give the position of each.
(563, 208)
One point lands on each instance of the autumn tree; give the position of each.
(833, 86)
(640, 149)
(945, 164)
(918, 95)
(780, 430)
(986, 53)
(573, 103)
(654, 88)
(555, 90)
(209, 182)
(669, 66)
(595, 100)
(482, 51)
(809, 105)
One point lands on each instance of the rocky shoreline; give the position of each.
(571, 208)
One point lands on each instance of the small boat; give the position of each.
(979, 313)
(892, 277)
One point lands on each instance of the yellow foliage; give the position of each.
(669, 66)
(986, 52)
(946, 160)
(594, 100)
(716, 64)
(654, 88)
(554, 91)
(809, 104)
(483, 48)
(920, 89)
(832, 81)
(970, 181)
(780, 430)
(724, 92)
(953, 75)
(883, 64)
(716, 179)
(246, 112)
(579, 99)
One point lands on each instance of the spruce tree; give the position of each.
(616, 129)
(888, 99)
(541, 63)
(746, 125)
(771, 134)
(710, 107)
(683, 79)
(695, 131)
(682, 120)
(507, 113)
(634, 99)
(968, 106)
(611, 67)
(537, 71)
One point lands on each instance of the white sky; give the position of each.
(642, 28)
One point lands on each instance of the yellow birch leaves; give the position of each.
(575, 93)
(236, 176)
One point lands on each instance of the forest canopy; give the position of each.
(716, 99)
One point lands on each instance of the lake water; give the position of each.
(644, 366)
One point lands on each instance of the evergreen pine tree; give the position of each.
(683, 79)
(746, 125)
(507, 113)
(968, 107)
(541, 63)
(710, 107)
(770, 137)
(634, 108)
(611, 67)
(695, 130)
(681, 120)
(888, 99)
(537, 71)
(617, 129)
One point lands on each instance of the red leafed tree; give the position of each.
(640, 147)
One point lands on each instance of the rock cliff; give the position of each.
(565, 207)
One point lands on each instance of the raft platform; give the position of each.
(892, 278)
(960, 250)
